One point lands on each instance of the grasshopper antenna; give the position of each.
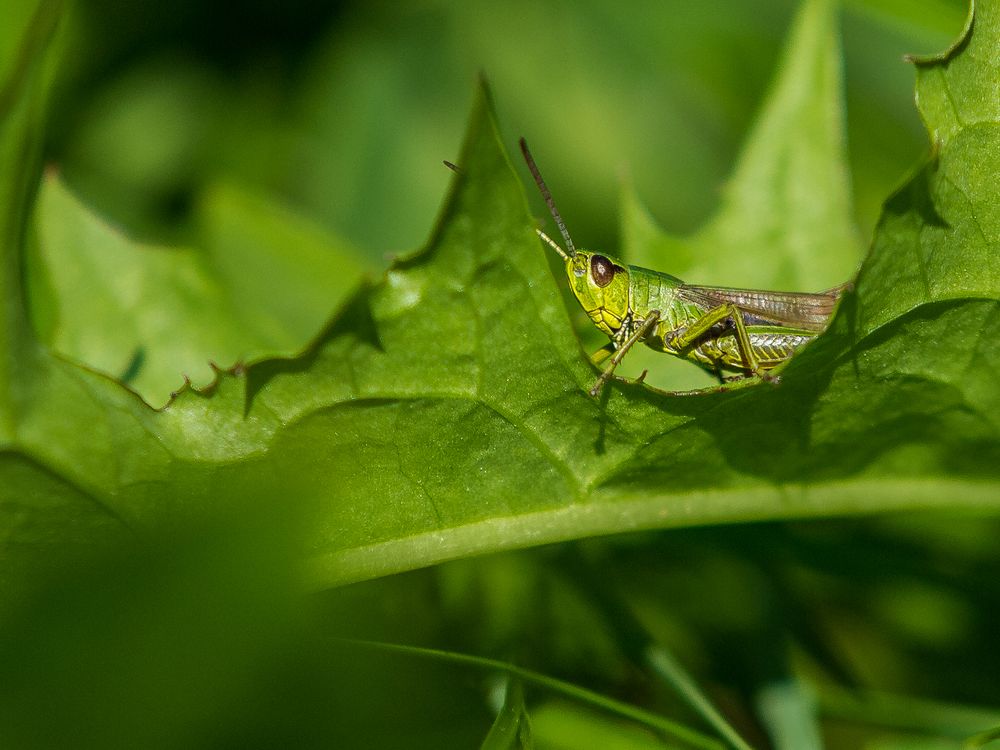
(553, 244)
(547, 196)
(453, 167)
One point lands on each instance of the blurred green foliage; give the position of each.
(152, 589)
(346, 109)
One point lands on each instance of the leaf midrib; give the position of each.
(603, 517)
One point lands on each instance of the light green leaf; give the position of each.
(567, 725)
(262, 284)
(512, 728)
(959, 90)
(982, 739)
(939, 233)
(789, 713)
(785, 221)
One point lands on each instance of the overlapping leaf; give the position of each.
(445, 413)
(259, 283)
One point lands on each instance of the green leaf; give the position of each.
(662, 663)
(512, 728)
(959, 90)
(489, 441)
(907, 712)
(261, 285)
(665, 728)
(785, 221)
(158, 643)
(444, 412)
(982, 739)
(789, 713)
(28, 28)
(939, 233)
(561, 724)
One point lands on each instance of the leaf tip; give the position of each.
(937, 58)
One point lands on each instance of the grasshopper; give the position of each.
(744, 331)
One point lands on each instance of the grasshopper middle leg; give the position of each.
(719, 315)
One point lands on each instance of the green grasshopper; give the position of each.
(745, 331)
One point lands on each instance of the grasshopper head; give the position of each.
(600, 284)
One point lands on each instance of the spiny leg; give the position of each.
(718, 315)
(640, 333)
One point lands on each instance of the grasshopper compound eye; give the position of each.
(602, 270)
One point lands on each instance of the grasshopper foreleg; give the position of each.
(638, 335)
(717, 315)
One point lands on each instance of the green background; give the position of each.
(218, 182)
